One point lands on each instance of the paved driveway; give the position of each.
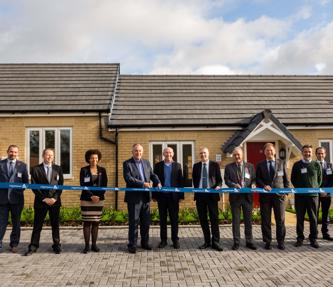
(188, 266)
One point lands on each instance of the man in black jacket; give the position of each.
(170, 174)
(46, 200)
(325, 198)
(207, 174)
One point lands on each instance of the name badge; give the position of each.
(304, 170)
(19, 174)
(280, 173)
(87, 179)
(247, 175)
(328, 171)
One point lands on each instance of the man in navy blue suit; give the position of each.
(12, 200)
(138, 173)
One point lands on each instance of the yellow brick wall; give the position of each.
(85, 135)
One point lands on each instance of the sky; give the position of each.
(172, 36)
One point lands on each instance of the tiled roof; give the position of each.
(193, 100)
(57, 87)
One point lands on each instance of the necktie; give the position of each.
(271, 169)
(204, 176)
(48, 174)
(11, 168)
(239, 174)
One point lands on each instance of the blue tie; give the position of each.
(204, 176)
(11, 169)
(271, 169)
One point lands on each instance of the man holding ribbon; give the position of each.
(272, 173)
(207, 174)
(46, 200)
(240, 174)
(325, 198)
(138, 173)
(306, 173)
(12, 170)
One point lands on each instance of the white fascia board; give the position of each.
(35, 115)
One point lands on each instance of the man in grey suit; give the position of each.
(272, 173)
(240, 174)
(12, 200)
(138, 173)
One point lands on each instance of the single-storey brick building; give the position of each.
(74, 107)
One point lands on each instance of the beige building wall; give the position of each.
(85, 135)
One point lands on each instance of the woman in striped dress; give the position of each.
(92, 201)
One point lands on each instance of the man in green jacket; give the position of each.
(306, 173)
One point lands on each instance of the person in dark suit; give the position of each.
(325, 198)
(207, 174)
(170, 174)
(12, 200)
(138, 173)
(272, 173)
(92, 201)
(46, 200)
(237, 175)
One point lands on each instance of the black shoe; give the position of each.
(176, 244)
(204, 246)
(13, 249)
(327, 237)
(235, 246)
(217, 247)
(298, 243)
(251, 246)
(132, 250)
(85, 250)
(268, 246)
(281, 246)
(146, 246)
(56, 249)
(29, 252)
(162, 244)
(94, 248)
(314, 244)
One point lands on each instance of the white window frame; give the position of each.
(57, 148)
(179, 149)
(330, 141)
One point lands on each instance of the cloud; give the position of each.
(162, 36)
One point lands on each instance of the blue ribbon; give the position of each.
(6, 185)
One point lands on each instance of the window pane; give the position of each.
(65, 145)
(187, 164)
(174, 147)
(50, 139)
(157, 153)
(326, 145)
(34, 148)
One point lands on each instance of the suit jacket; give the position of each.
(133, 180)
(280, 179)
(214, 177)
(177, 179)
(86, 180)
(231, 179)
(20, 175)
(38, 176)
(327, 178)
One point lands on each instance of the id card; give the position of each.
(247, 175)
(304, 170)
(280, 173)
(328, 171)
(19, 174)
(87, 179)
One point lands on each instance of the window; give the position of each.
(328, 145)
(183, 154)
(59, 139)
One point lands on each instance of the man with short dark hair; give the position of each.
(325, 198)
(306, 173)
(12, 170)
(46, 201)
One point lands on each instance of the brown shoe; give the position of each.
(13, 249)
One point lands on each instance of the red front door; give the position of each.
(255, 154)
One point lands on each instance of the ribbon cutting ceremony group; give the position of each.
(310, 183)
